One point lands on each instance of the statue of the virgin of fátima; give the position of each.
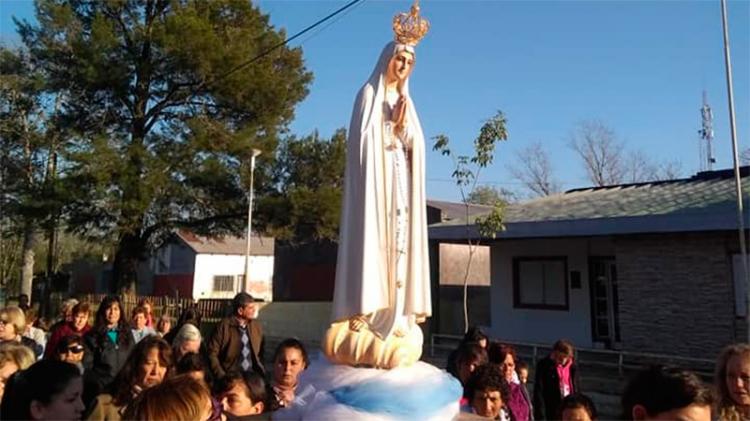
(382, 288)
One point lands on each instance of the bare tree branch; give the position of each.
(534, 169)
(601, 152)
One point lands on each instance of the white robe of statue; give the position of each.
(382, 270)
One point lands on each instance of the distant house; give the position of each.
(449, 271)
(211, 267)
(649, 267)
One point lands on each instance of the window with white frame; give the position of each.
(540, 282)
(223, 283)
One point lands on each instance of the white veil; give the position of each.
(363, 284)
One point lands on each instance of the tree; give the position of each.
(466, 174)
(533, 169)
(31, 140)
(608, 163)
(602, 153)
(488, 195)
(166, 112)
(309, 178)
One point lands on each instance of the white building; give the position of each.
(202, 267)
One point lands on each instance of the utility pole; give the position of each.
(735, 155)
(245, 280)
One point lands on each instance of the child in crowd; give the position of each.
(522, 369)
(577, 407)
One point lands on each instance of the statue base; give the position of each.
(363, 348)
(341, 392)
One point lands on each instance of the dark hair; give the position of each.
(473, 335)
(255, 386)
(578, 400)
(190, 315)
(124, 336)
(497, 353)
(121, 387)
(291, 343)
(660, 389)
(190, 362)
(564, 347)
(471, 353)
(67, 341)
(487, 377)
(241, 300)
(41, 382)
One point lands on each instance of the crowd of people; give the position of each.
(151, 369)
(140, 367)
(494, 381)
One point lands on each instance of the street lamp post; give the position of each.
(245, 281)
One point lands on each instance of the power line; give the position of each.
(288, 40)
(333, 22)
(517, 183)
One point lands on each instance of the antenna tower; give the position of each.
(705, 143)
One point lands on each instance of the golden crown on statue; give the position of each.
(410, 28)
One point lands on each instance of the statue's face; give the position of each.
(400, 66)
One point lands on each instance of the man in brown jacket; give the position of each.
(237, 343)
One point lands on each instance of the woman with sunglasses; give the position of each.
(70, 349)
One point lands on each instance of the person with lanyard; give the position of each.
(556, 377)
(237, 343)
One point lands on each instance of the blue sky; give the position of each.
(639, 66)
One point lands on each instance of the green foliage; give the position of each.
(468, 168)
(309, 178)
(466, 175)
(164, 128)
(489, 225)
(488, 195)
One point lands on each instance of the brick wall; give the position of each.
(676, 293)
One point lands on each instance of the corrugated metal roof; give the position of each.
(259, 246)
(705, 201)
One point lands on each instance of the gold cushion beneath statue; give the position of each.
(363, 348)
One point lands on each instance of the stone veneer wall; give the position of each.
(676, 293)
